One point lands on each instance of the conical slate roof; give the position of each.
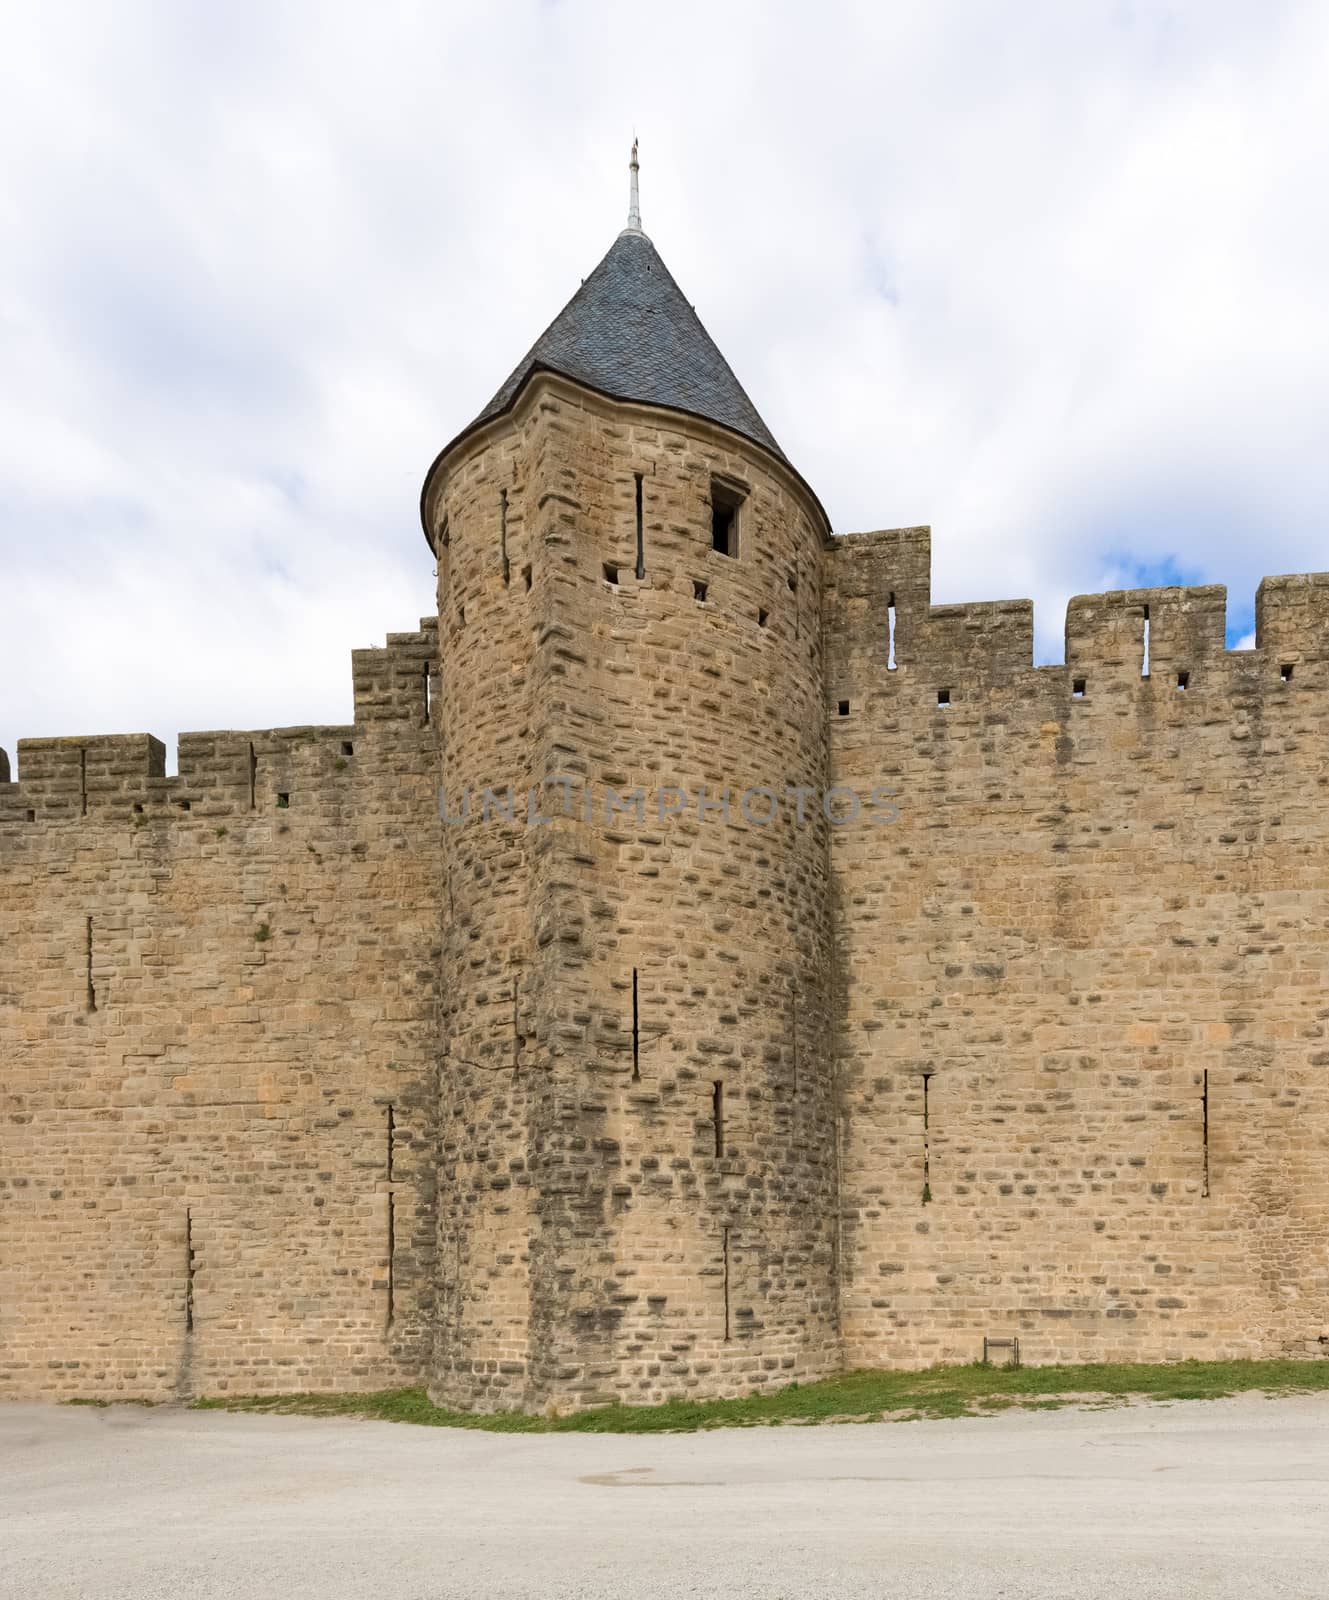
(629, 332)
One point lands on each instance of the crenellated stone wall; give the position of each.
(1083, 1045)
(581, 1091)
(217, 1017)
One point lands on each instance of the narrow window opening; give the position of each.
(611, 573)
(347, 748)
(461, 616)
(890, 634)
(1183, 680)
(253, 777)
(32, 815)
(1144, 662)
(1077, 688)
(503, 534)
(392, 1254)
(1204, 1133)
(1285, 672)
(636, 1030)
(795, 1028)
(138, 808)
(844, 708)
(283, 800)
(83, 782)
(526, 578)
(428, 687)
(87, 966)
(717, 1115)
(516, 1030)
(189, 1270)
(641, 543)
(725, 504)
(927, 1143)
(392, 1129)
(943, 697)
(724, 1245)
(698, 590)
(763, 617)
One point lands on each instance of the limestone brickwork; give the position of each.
(543, 1101)
(597, 1240)
(1096, 941)
(217, 996)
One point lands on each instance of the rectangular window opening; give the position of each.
(253, 775)
(1077, 688)
(347, 748)
(611, 573)
(392, 1256)
(844, 708)
(698, 590)
(1285, 672)
(927, 1143)
(428, 686)
(636, 1030)
(1204, 1134)
(641, 542)
(794, 1031)
(92, 992)
(890, 634)
(1183, 680)
(83, 782)
(32, 815)
(392, 1129)
(189, 1270)
(516, 1029)
(943, 697)
(461, 616)
(763, 617)
(717, 1115)
(1144, 661)
(726, 501)
(724, 1246)
(283, 800)
(503, 534)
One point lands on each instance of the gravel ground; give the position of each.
(1214, 1499)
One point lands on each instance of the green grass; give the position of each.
(853, 1397)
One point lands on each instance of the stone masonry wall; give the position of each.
(303, 1087)
(1084, 1036)
(654, 1258)
(217, 998)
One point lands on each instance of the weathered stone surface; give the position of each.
(307, 1087)
(1099, 932)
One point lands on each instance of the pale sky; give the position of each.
(1048, 276)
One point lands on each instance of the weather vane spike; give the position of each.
(634, 198)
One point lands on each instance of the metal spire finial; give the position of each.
(634, 197)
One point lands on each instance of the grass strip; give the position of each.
(866, 1396)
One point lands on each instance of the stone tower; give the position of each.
(638, 1138)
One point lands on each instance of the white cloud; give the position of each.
(1049, 277)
